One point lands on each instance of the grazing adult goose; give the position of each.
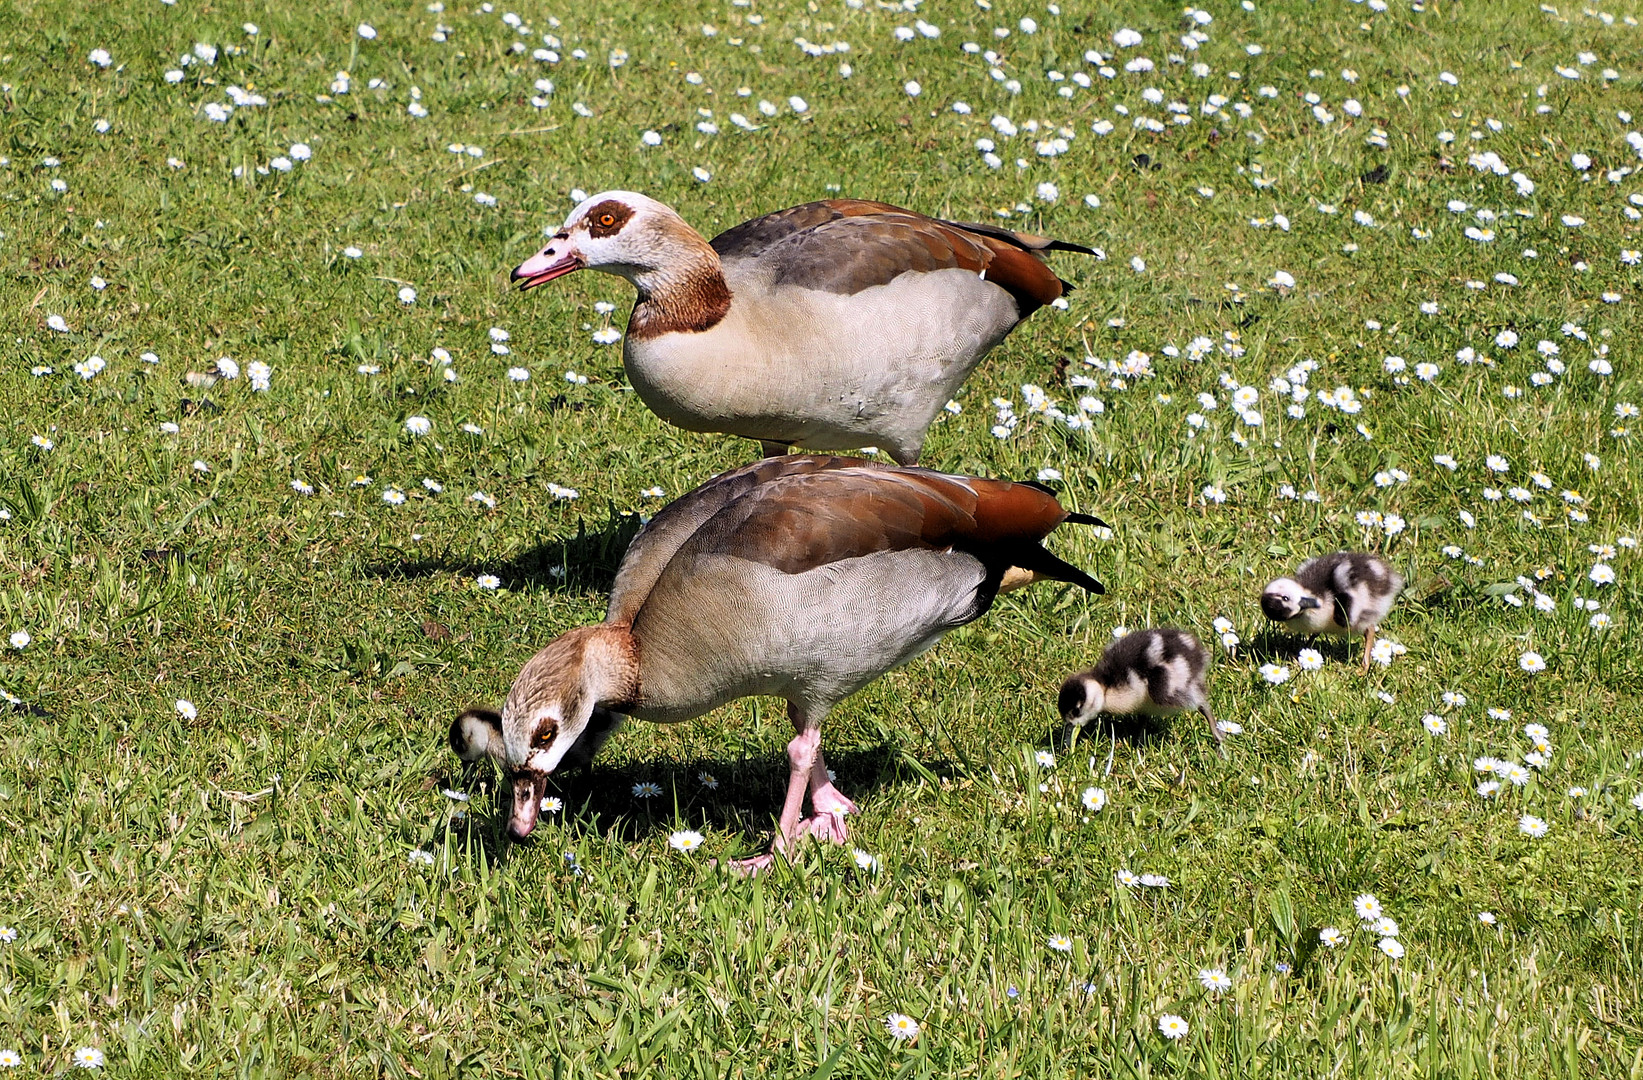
(799, 577)
(1346, 594)
(832, 325)
(1149, 672)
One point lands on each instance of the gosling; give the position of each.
(1346, 594)
(1149, 672)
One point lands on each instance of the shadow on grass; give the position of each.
(1106, 733)
(745, 796)
(1276, 646)
(587, 560)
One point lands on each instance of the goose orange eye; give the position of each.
(607, 220)
(544, 738)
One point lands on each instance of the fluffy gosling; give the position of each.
(1346, 594)
(1149, 672)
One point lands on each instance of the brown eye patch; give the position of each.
(544, 738)
(607, 218)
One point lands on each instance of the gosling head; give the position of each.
(1285, 599)
(1081, 699)
(476, 734)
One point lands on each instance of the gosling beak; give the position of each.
(1307, 603)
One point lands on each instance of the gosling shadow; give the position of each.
(1105, 733)
(1278, 646)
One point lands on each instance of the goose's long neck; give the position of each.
(684, 292)
(610, 666)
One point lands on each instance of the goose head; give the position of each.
(620, 232)
(1286, 599)
(566, 687)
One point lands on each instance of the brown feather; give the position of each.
(1030, 241)
(697, 304)
(1024, 276)
(1015, 513)
(750, 238)
(847, 245)
(798, 523)
(648, 555)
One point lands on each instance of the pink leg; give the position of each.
(807, 771)
(830, 806)
(828, 803)
(803, 757)
(803, 754)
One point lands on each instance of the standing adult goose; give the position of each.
(831, 325)
(799, 577)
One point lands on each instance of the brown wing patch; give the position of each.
(847, 245)
(607, 218)
(752, 237)
(815, 521)
(849, 254)
(649, 553)
(804, 522)
(1024, 276)
(1008, 513)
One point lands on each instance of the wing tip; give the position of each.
(1068, 245)
(1053, 566)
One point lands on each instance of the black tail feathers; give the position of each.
(1043, 562)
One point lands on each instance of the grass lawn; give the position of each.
(1370, 279)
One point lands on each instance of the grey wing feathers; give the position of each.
(1317, 575)
(1152, 655)
(847, 254)
(1343, 608)
(1144, 650)
(1126, 654)
(847, 245)
(1347, 571)
(758, 235)
(1165, 683)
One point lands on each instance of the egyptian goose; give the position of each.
(1149, 672)
(1346, 594)
(799, 577)
(832, 325)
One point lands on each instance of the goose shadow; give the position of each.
(585, 560)
(740, 796)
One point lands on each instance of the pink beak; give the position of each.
(527, 803)
(544, 266)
